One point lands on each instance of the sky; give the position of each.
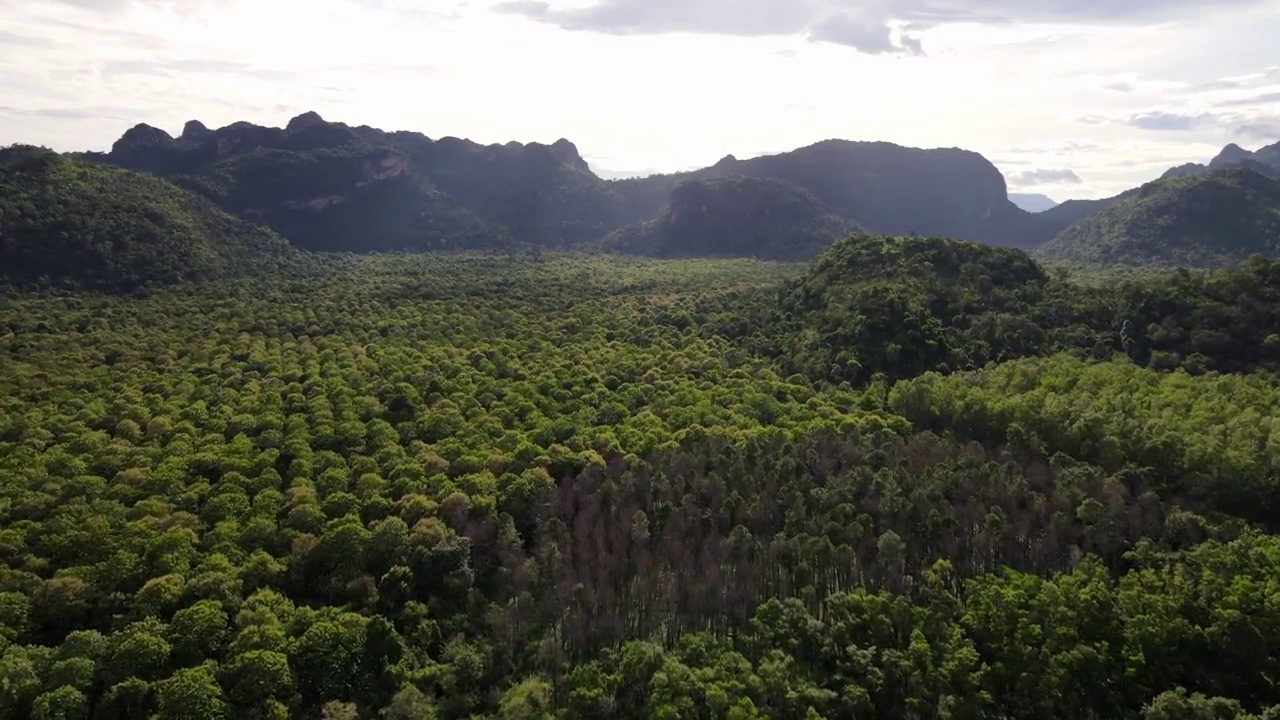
(1069, 98)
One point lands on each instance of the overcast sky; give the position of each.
(1072, 98)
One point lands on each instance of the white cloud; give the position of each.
(1044, 176)
(663, 91)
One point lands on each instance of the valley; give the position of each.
(331, 423)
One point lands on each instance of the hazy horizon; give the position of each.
(1069, 100)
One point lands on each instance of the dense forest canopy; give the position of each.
(902, 306)
(245, 473)
(916, 478)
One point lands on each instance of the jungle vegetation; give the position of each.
(917, 478)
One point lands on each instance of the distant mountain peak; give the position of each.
(1033, 202)
(1184, 170)
(726, 161)
(143, 135)
(195, 131)
(1232, 153)
(303, 122)
(567, 153)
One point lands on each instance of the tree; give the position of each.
(337, 710)
(409, 704)
(190, 694)
(198, 632)
(1178, 705)
(257, 676)
(530, 699)
(65, 703)
(132, 698)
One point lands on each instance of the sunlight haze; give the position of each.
(1068, 103)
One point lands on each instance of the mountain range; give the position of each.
(328, 186)
(1033, 202)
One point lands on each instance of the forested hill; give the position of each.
(1195, 220)
(330, 186)
(901, 306)
(1264, 161)
(735, 217)
(113, 229)
(885, 188)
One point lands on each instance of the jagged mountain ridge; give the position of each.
(330, 186)
(318, 182)
(884, 187)
(1264, 161)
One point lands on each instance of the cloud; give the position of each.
(1165, 121)
(1120, 87)
(531, 8)
(1067, 147)
(1263, 99)
(870, 35)
(1235, 124)
(866, 25)
(74, 113)
(1045, 176)
(1265, 129)
(1264, 77)
(196, 66)
(16, 39)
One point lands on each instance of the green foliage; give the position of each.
(1213, 438)
(475, 487)
(190, 694)
(903, 306)
(1177, 705)
(112, 229)
(1205, 220)
(899, 306)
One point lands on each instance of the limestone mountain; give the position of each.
(883, 187)
(735, 217)
(330, 186)
(112, 229)
(1033, 202)
(1269, 155)
(1199, 220)
(1264, 161)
